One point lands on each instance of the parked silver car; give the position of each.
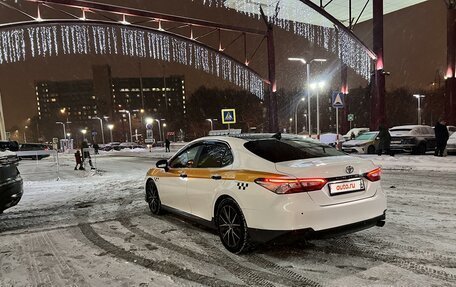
(364, 143)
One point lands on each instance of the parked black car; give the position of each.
(10, 180)
(9, 145)
(32, 150)
(415, 139)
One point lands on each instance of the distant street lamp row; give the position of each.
(311, 86)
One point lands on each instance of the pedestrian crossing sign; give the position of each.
(228, 116)
(337, 100)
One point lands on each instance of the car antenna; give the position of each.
(277, 136)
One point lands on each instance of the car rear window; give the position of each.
(285, 150)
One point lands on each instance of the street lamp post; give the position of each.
(296, 115)
(302, 60)
(101, 127)
(110, 127)
(129, 122)
(159, 128)
(291, 120)
(419, 97)
(212, 126)
(164, 128)
(318, 86)
(64, 131)
(84, 131)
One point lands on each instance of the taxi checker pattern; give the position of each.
(242, 185)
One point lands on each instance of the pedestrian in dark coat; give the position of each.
(441, 137)
(96, 147)
(385, 141)
(77, 157)
(167, 144)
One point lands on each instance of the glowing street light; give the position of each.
(419, 97)
(164, 128)
(111, 127)
(318, 86)
(303, 61)
(84, 131)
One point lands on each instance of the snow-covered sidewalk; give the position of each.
(414, 162)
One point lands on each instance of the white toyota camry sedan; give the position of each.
(256, 188)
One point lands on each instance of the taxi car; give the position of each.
(259, 187)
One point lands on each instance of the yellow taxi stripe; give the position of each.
(206, 173)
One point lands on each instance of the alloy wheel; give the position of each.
(152, 198)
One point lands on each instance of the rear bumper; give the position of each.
(10, 193)
(262, 236)
(353, 149)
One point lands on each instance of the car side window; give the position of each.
(215, 155)
(186, 158)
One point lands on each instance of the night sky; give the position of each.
(415, 48)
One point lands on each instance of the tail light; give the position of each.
(374, 175)
(291, 185)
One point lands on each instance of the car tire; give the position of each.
(232, 227)
(371, 149)
(153, 198)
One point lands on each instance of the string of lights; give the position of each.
(288, 15)
(47, 40)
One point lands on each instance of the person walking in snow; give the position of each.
(167, 144)
(86, 153)
(441, 137)
(77, 157)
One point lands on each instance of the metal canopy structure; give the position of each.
(339, 8)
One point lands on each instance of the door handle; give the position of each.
(216, 177)
(183, 175)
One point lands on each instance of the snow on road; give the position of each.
(93, 228)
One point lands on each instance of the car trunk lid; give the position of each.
(345, 170)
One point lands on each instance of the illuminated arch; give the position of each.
(32, 39)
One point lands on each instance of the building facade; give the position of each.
(80, 101)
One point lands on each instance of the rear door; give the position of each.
(206, 178)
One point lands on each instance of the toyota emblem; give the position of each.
(349, 169)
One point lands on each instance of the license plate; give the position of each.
(346, 186)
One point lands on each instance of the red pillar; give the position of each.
(344, 90)
(450, 80)
(378, 116)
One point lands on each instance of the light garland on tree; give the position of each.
(47, 40)
(289, 18)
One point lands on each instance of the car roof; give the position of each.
(242, 138)
(410, 127)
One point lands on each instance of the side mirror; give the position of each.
(190, 163)
(163, 163)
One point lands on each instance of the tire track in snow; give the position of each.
(430, 257)
(294, 278)
(161, 266)
(342, 246)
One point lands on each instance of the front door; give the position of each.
(173, 184)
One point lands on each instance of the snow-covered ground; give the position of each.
(93, 228)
